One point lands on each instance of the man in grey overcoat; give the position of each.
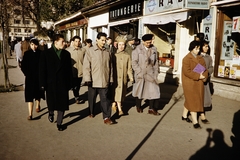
(146, 69)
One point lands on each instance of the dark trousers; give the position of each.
(153, 103)
(104, 100)
(76, 86)
(60, 115)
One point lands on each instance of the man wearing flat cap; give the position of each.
(146, 69)
(130, 44)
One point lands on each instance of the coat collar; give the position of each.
(193, 58)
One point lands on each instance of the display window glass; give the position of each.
(227, 63)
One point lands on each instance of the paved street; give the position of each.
(138, 136)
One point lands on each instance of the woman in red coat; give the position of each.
(192, 83)
(30, 68)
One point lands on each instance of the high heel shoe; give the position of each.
(29, 117)
(205, 121)
(38, 109)
(186, 119)
(197, 126)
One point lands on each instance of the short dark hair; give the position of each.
(56, 37)
(204, 43)
(109, 38)
(101, 34)
(34, 41)
(76, 37)
(193, 44)
(88, 41)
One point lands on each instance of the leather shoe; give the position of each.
(51, 118)
(186, 119)
(60, 127)
(153, 112)
(91, 116)
(29, 117)
(139, 110)
(197, 126)
(108, 121)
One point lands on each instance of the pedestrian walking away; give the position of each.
(18, 52)
(98, 75)
(56, 78)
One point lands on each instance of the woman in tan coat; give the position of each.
(193, 83)
(122, 71)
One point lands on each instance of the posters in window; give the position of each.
(227, 42)
(221, 71)
(233, 71)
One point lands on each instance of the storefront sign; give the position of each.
(236, 24)
(157, 6)
(227, 42)
(207, 25)
(73, 24)
(126, 11)
(196, 4)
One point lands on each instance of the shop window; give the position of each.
(165, 42)
(228, 51)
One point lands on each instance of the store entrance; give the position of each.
(124, 30)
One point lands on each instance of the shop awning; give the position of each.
(166, 18)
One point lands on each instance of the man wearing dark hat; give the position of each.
(130, 44)
(146, 69)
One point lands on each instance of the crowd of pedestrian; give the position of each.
(105, 67)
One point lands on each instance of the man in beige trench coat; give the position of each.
(98, 75)
(146, 69)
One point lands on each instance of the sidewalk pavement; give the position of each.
(138, 136)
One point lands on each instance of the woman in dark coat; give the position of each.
(30, 68)
(56, 78)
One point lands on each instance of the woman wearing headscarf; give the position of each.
(122, 71)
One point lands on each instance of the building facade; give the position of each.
(175, 24)
(20, 27)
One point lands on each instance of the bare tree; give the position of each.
(5, 29)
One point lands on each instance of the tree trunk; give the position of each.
(5, 27)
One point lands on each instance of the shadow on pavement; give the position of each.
(151, 131)
(220, 150)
